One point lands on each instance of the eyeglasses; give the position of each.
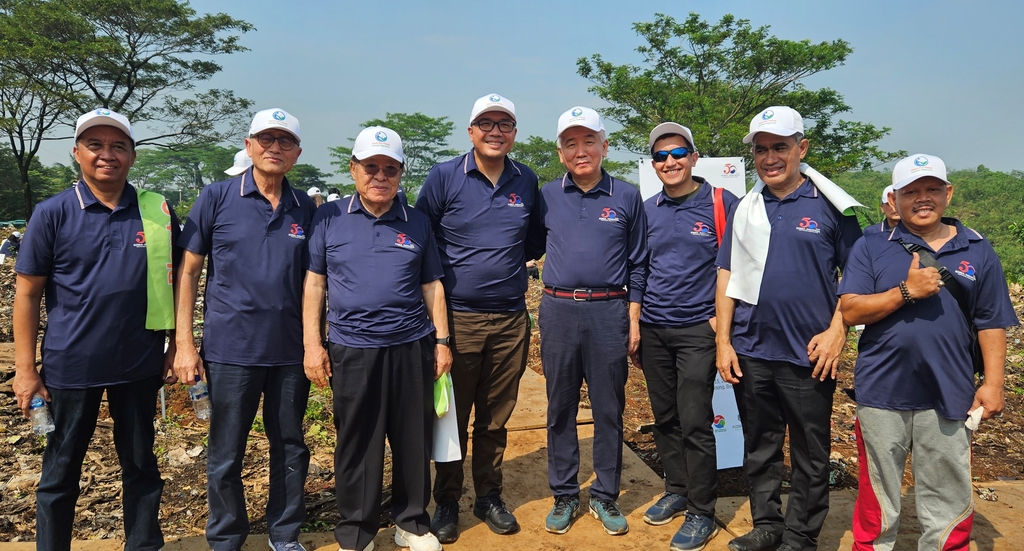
(287, 143)
(677, 153)
(486, 125)
(390, 171)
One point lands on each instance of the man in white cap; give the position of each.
(10, 246)
(253, 229)
(780, 331)
(927, 293)
(483, 208)
(242, 163)
(589, 317)
(102, 254)
(376, 260)
(891, 218)
(685, 223)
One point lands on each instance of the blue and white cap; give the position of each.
(242, 163)
(885, 195)
(377, 140)
(274, 118)
(492, 102)
(917, 166)
(778, 120)
(580, 116)
(103, 117)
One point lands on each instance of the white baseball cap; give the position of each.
(333, 197)
(668, 128)
(242, 163)
(778, 120)
(580, 116)
(885, 194)
(492, 102)
(917, 166)
(16, 234)
(377, 140)
(313, 191)
(274, 118)
(104, 117)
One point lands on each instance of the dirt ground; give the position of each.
(181, 448)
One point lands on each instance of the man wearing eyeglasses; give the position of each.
(482, 206)
(377, 261)
(253, 229)
(677, 336)
(594, 281)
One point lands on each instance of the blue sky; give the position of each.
(947, 76)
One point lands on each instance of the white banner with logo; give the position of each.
(727, 427)
(725, 172)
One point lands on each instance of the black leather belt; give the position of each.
(585, 295)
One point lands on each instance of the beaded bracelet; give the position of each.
(906, 293)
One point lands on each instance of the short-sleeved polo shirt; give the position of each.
(257, 258)
(375, 270)
(483, 232)
(597, 239)
(919, 357)
(882, 227)
(810, 241)
(94, 259)
(683, 240)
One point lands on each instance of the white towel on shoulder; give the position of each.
(752, 231)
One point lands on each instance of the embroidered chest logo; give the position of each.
(515, 200)
(140, 240)
(403, 241)
(966, 270)
(608, 215)
(296, 232)
(701, 229)
(808, 225)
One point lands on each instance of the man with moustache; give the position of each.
(483, 209)
(253, 229)
(915, 363)
(780, 330)
(589, 314)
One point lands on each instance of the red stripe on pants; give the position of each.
(867, 513)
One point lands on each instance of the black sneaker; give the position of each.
(757, 539)
(491, 509)
(445, 524)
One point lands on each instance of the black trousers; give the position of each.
(772, 396)
(679, 365)
(378, 393)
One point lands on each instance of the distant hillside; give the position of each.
(982, 199)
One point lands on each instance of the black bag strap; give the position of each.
(951, 284)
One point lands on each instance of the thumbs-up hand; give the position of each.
(922, 282)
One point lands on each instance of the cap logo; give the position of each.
(381, 136)
(767, 114)
(921, 161)
(279, 115)
(577, 112)
(495, 98)
(103, 112)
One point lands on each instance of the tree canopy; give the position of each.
(541, 155)
(714, 78)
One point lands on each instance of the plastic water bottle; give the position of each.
(200, 398)
(39, 415)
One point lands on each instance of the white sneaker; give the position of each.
(426, 542)
(369, 547)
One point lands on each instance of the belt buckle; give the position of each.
(586, 295)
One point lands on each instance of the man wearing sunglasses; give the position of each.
(483, 208)
(376, 259)
(677, 338)
(253, 228)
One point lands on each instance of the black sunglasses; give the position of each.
(677, 153)
(371, 169)
(287, 143)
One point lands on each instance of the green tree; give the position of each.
(180, 174)
(142, 58)
(424, 142)
(715, 78)
(305, 176)
(541, 155)
(46, 181)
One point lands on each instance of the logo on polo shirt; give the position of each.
(701, 229)
(403, 241)
(296, 232)
(608, 215)
(515, 200)
(719, 423)
(808, 225)
(140, 240)
(278, 115)
(381, 136)
(966, 270)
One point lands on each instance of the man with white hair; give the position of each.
(927, 293)
(890, 219)
(594, 281)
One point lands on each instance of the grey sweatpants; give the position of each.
(941, 464)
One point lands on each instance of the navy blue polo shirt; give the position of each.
(483, 232)
(919, 357)
(597, 239)
(810, 241)
(95, 292)
(375, 270)
(683, 240)
(882, 227)
(257, 259)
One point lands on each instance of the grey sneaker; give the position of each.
(694, 534)
(607, 511)
(668, 507)
(560, 518)
(285, 545)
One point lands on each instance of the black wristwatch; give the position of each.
(447, 341)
